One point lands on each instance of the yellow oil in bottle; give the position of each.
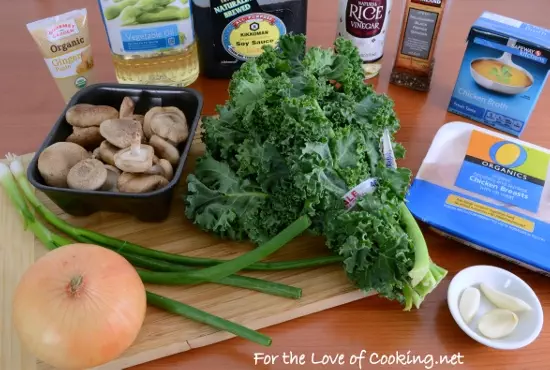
(152, 41)
(174, 68)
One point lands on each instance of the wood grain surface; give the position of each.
(31, 103)
(164, 334)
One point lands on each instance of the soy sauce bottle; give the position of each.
(232, 32)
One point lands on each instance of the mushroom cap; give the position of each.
(138, 117)
(165, 150)
(87, 115)
(167, 168)
(146, 124)
(155, 170)
(127, 107)
(167, 122)
(88, 174)
(140, 183)
(110, 168)
(57, 159)
(112, 178)
(86, 137)
(128, 160)
(107, 152)
(96, 154)
(162, 168)
(120, 132)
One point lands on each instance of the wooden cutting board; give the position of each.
(165, 334)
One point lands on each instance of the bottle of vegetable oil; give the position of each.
(152, 41)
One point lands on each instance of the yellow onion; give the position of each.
(79, 306)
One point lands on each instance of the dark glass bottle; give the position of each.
(365, 22)
(231, 32)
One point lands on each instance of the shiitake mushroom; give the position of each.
(57, 159)
(164, 149)
(88, 174)
(120, 131)
(138, 158)
(116, 149)
(88, 115)
(140, 183)
(87, 137)
(169, 123)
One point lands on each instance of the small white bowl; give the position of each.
(530, 322)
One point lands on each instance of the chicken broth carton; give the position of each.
(504, 69)
(487, 190)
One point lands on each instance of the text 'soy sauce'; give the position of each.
(232, 32)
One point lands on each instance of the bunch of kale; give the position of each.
(300, 129)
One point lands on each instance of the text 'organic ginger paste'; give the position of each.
(65, 44)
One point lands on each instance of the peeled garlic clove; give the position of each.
(502, 300)
(469, 303)
(497, 323)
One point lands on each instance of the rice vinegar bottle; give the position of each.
(365, 23)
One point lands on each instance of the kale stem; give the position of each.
(421, 254)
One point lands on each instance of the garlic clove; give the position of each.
(497, 323)
(502, 300)
(469, 303)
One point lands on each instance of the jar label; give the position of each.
(136, 27)
(245, 36)
(365, 22)
(365, 18)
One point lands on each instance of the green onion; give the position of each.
(52, 241)
(86, 236)
(220, 271)
(206, 318)
(263, 286)
(46, 237)
(246, 282)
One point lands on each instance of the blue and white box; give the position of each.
(504, 69)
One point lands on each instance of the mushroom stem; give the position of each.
(135, 148)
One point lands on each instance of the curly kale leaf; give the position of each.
(376, 249)
(219, 201)
(261, 162)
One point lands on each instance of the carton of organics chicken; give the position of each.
(487, 190)
(503, 72)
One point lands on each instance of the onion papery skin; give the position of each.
(79, 306)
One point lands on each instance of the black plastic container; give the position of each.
(149, 207)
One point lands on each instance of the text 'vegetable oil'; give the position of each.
(152, 41)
